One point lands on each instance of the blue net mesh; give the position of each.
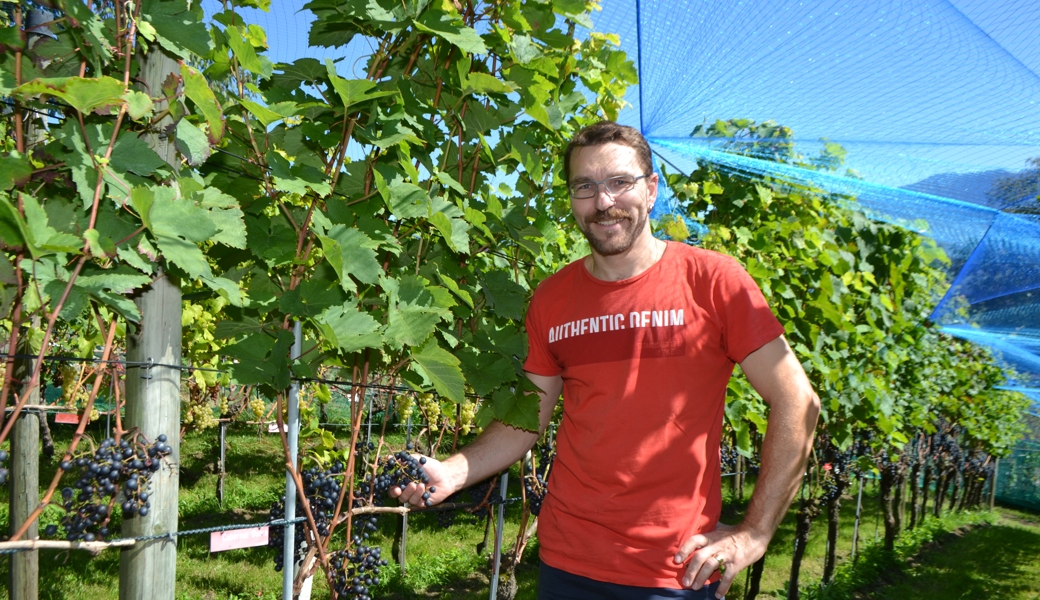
(936, 102)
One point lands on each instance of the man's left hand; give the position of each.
(734, 548)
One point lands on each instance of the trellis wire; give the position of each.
(171, 535)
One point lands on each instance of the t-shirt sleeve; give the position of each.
(747, 321)
(540, 360)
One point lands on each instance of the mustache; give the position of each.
(609, 215)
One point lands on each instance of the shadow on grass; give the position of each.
(987, 562)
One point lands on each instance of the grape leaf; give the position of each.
(517, 408)
(14, 170)
(198, 90)
(261, 359)
(353, 91)
(180, 29)
(12, 226)
(192, 143)
(351, 253)
(138, 105)
(454, 31)
(349, 329)
(184, 254)
(441, 368)
(85, 94)
(505, 296)
(131, 153)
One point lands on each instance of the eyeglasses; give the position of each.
(614, 186)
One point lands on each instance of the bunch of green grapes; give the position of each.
(259, 409)
(405, 406)
(430, 407)
(73, 391)
(467, 413)
(200, 415)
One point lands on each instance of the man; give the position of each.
(641, 336)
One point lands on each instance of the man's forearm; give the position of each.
(495, 449)
(774, 371)
(785, 451)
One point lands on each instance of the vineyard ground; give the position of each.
(998, 560)
(444, 563)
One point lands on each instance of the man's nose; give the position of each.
(603, 199)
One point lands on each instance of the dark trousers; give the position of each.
(554, 584)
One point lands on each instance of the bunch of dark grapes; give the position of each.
(536, 483)
(398, 470)
(484, 495)
(479, 495)
(322, 488)
(728, 456)
(830, 489)
(446, 517)
(3, 467)
(124, 467)
(752, 464)
(356, 571)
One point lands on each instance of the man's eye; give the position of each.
(583, 187)
(619, 183)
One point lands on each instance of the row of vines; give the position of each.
(401, 210)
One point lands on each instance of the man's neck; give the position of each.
(637, 259)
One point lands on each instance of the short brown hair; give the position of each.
(607, 132)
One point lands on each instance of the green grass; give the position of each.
(992, 559)
(998, 560)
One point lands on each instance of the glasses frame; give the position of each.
(602, 185)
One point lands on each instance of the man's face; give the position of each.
(612, 224)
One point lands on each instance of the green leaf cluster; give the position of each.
(402, 209)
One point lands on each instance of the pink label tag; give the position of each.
(239, 538)
(71, 418)
(273, 428)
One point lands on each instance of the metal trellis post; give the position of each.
(500, 521)
(293, 434)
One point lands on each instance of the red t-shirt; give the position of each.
(645, 363)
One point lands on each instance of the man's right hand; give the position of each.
(440, 486)
(497, 447)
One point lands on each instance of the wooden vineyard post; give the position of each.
(148, 570)
(153, 405)
(25, 487)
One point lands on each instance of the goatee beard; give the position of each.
(614, 245)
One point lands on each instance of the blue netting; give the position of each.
(936, 102)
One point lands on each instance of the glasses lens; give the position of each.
(618, 185)
(583, 190)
